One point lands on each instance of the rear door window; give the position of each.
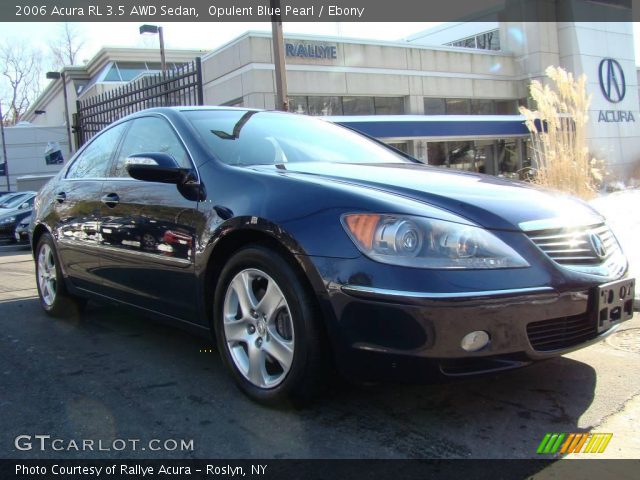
(94, 161)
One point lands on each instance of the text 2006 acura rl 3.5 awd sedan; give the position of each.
(302, 244)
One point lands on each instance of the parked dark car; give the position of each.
(22, 230)
(14, 200)
(304, 244)
(17, 210)
(6, 195)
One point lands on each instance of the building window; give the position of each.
(358, 106)
(402, 146)
(506, 107)
(492, 156)
(298, 105)
(466, 106)
(127, 71)
(484, 41)
(389, 105)
(434, 106)
(458, 106)
(488, 41)
(436, 154)
(112, 75)
(324, 106)
(461, 155)
(483, 107)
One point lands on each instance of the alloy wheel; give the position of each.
(47, 279)
(258, 328)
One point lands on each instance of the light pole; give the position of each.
(277, 38)
(4, 149)
(153, 29)
(61, 76)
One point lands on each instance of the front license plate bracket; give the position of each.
(614, 303)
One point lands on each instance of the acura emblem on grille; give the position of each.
(597, 245)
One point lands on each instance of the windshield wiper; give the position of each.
(236, 129)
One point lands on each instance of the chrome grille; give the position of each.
(580, 248)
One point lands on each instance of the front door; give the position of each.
(147, 229)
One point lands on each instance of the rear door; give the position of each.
(77, 208)
(147, 232)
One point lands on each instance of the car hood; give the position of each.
(8, 211)
(489, 201)
(15, 212)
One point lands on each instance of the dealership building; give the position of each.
(458, 86)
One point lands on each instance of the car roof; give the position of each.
(173, 111)
(18, 194)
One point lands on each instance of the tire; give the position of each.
(52, 290)
(274, 350)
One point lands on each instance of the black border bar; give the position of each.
(278, 469)
(319, 10)
(325, 469)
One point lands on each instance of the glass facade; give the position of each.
(470, 106)
(484, 41)
(347, 105)
(434, 106)
(492, 156)
(127, 71)
(458, 106)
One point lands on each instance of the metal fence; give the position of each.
(179, 86)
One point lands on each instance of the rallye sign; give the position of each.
(306, 50)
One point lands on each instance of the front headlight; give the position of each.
(428, 243)
(7, 220)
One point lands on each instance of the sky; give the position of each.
(208, 36)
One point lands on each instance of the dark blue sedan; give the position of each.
(308, 249)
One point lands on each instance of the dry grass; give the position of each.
(560, 151)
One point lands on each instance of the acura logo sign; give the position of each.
(612, 82)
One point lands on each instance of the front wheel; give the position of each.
(54, 298)
(267, 328)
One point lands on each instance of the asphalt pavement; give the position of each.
(114, 374)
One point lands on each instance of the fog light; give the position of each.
(474, 341)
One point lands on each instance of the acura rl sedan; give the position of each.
(308, 249)
(12, 213)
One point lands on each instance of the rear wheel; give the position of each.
(267, 329)
(54, 297)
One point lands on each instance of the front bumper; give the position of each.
(411, 336)
(21, 236)
(7, 232)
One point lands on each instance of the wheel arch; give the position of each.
(245, 234)
(39, 230)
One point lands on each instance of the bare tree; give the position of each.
(67, 45)
(21, 75)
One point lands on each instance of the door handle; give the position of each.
(110, 199)
(60, 197)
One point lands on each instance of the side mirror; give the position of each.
(156, 167)
(23, 206)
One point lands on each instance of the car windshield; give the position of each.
(240, 137)
(14, 202)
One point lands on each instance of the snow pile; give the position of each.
(622, 211)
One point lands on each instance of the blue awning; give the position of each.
(416, 126)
